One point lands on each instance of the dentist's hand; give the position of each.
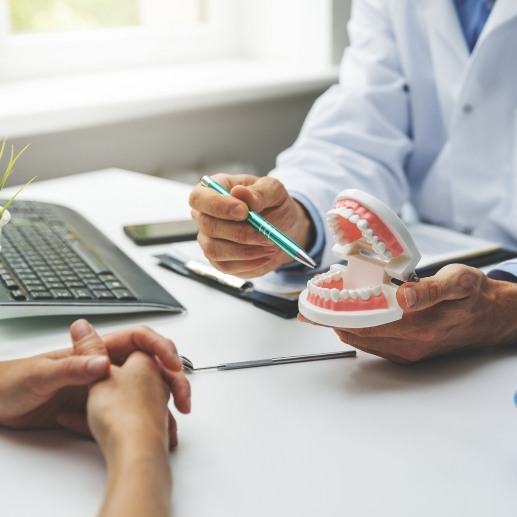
(233, 246)
(457, 309)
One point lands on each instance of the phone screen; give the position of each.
(169, 231)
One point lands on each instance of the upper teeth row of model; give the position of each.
(378, 246)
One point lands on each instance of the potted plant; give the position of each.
(5, 216)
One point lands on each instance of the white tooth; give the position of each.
(312, 288)
(354, 218)
(387, 255)
(375, 239)
(334, 293)
(382, 247)
(377, 290)
(362, 224)
(319, 292)
(326, 294)
(364, 293)
(344, 294)
(369, 233)
(346, 213)
(353, 294)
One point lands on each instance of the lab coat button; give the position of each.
(467, 109)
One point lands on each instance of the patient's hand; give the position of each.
(49, 390)
(35, 390)
(128, 416)
(457, 309)
(130, 405)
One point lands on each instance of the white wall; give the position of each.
(250, 133)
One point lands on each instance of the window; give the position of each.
(51, 37)
(27, 16)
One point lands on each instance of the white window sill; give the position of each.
(58, 104)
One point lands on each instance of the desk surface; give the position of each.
(358, 437)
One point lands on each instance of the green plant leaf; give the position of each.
(10, 166)
(2, 148)
(13, 197)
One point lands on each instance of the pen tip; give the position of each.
(304, 259)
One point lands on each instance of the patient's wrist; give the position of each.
(133, 446)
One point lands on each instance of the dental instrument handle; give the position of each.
(286, 360)
(271, 232)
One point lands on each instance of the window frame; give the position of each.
(155, 42)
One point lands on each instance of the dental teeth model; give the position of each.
(377, 247)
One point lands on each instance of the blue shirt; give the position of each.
(473, 15)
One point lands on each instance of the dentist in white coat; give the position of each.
(425, 111)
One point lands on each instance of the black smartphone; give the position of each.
(162, 233)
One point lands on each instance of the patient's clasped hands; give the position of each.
(134, 370)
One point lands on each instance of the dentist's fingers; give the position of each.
(390, 349)
(209, 202)
(265, 193)
(123, 343)
(453, 282)
(239, 232)
(220, 250)
(249, 268)
(85, 339)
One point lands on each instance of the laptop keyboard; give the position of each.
(42, 259)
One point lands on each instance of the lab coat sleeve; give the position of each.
(357, 133)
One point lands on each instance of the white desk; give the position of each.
(357, 437)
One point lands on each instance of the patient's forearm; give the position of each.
(139, 479)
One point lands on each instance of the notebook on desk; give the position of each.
(278, 292)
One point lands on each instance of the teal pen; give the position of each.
(269, 231)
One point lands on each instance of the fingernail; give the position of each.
(97, 365)
(81, 329)
(239, 212)
(410, 295)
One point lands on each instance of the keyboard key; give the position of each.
(82, 294)
(43, 295)
(124, 294)
(103, 294)
(62, 294)
(18, 295)
(8, 281)
(74, 284)
(114, 284)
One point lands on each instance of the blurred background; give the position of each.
(173, 88)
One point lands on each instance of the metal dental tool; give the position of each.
(188, 365)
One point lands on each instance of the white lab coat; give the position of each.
(417, 118)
